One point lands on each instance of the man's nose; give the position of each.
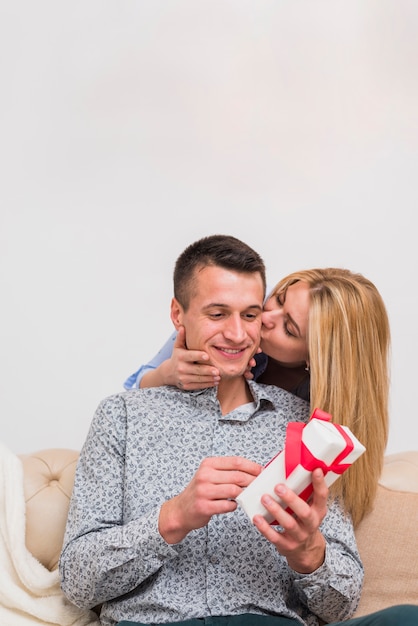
(235, 329)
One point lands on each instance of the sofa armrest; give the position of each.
(48, 483)
(387, 537)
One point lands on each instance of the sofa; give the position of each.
(387, 538)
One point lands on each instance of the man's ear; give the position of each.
(176, 313)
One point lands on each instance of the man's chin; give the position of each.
(232, 372)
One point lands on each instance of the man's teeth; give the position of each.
(229, 351)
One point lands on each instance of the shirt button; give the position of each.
(214, 560)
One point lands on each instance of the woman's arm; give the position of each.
(133, 382)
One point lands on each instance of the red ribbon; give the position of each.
(296, 452)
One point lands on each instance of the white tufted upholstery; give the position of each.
(48, 483)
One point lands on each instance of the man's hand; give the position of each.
(299, 540)
(212, 491)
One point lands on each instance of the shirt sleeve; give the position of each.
(333, 591)
(132, 382)
(102, 556)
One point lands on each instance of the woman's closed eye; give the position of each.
(288, 329)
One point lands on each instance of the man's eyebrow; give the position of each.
(219, 305)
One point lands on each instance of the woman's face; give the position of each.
(285, 325)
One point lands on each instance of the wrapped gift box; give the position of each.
(319, 443)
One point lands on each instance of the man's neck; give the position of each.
(233, 393)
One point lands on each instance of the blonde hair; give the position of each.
(349, 345)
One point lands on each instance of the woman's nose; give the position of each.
(267, 319)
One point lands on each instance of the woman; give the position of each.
(325, 337)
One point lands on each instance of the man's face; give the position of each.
(224, 318)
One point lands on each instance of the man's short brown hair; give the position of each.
(223, 251)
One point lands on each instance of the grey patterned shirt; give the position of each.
(143, 447)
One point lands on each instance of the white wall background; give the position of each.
(129, 129)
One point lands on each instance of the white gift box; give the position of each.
(323, 444)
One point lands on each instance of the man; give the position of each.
(154, 534)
